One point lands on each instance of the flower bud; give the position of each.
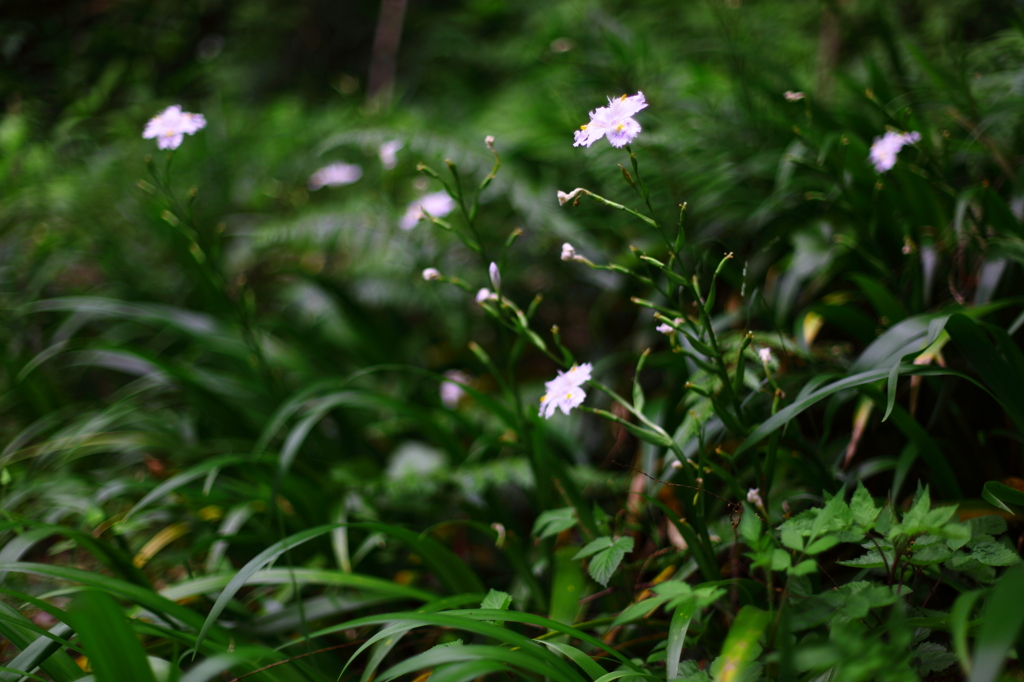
(495, 276)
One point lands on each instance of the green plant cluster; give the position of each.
(258, 428)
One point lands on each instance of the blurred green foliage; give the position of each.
(220, 410)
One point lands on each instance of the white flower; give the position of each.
(388, 153)
(170, 126)
(665, 329)
(614, 121)
(335, 175)
(885, 148)
(431, 274)
(765, 354)
(437, 204)
(485, 294)
(451, 390)
(563, 197)
(495, 276)
(754, 497)
(793, 96)
(568, 253)
(565, 390)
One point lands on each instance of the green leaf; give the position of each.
(604, 563)
(781, 560)
(554, 521)
(873, 559)
(792, 538)
(1004, 497)
(677, 634)
(1000, 626)
(523, 658)
(863, 507)
(999, 375)
(568, 586)
(589, 665)
(804, 568)
(594, 546)
(639, 609)
(993, 553)
(114, 651)
(822, 544)
(990, 524)
(959, 617)
(741, 647)
(496, 599)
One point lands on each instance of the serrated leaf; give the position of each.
(933, 657)
(594, 546)
(750, 525)
(804, 568)
(781, 560)
(873, 559)
(604, 563)
(932, 554)
(991, 552)
(791, 538)
(554, 521)
(987, 525)
(863, 507)
(496, 599)
(822, 544)
(939, 516)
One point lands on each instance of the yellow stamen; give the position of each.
(623, 98)
(583, 127)
(620, 126)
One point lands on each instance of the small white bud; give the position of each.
(430, 274)
(765, 354)
(568, 253)
(495, 276)
(754, 497)
(483, 295)
(665, 329)
(489, 142)
(793, 96)
(676, 464)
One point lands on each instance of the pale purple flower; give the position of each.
(335, 175)
(451, 390)
(614, 121)
(431, 274)
(495, 276)
(437, 204)
(565, 391)
(885, 148)
(793, 96)
(170, 126)
(484, 295)
(388, 153)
